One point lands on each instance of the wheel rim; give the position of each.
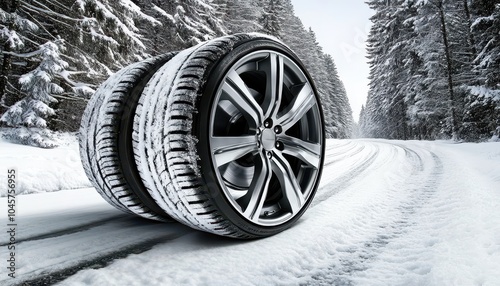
(266, 138)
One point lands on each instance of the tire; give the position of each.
(229, 137)
(106, 139)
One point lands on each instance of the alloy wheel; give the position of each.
(266, 137)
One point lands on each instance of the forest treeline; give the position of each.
(435, 70)
(55, 53)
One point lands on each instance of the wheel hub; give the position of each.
(268, 139)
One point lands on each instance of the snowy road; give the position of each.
(386, 213)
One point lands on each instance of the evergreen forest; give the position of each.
(434, 70)
(54, 54)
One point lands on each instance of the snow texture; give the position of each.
(386, 213)
(43, 170)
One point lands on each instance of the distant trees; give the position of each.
(336, 107)
(434, 70)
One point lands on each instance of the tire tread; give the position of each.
(173, 176)
(99, 131)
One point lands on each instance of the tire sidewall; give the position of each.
(201, 128)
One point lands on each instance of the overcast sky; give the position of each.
(341, 28)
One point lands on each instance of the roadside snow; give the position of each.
(43, 170)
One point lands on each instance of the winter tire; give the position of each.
(228, 137)
(106, 139)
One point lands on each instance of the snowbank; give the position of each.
(43, 170)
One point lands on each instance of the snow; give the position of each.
(386, 213)
(43, 170)
(127, 27)
(129, 5)
(163, 13)
(484, 92)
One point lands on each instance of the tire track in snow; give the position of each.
(332, 188)
(353, 150)
(49, 278)
(355, 258)
(90, 249)
(69, 230)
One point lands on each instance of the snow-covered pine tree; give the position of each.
(108, 33)
(486, 28)
(375, 118)
(336, 107)
(196, 21)
(394, 76)
(362, 123)
(482, 104)
(272, 19)
(28, 116)
(161, 37)
(12, 27)
(100, 37)
(344, 111)
(240, 16)
(328, 98)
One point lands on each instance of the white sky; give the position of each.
(341, 28)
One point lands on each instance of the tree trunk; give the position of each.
(449, 69)
(404, 122)
(472, 42)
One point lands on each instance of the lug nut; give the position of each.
(268, 123)
(269, 155)
(278, 145)
(278, 129)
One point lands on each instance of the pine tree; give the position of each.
(196, 21)
(336, 107)
(272, 20)
(30, 114)
(482, 104)
(12, 26)
(240, 16)
(378, 44)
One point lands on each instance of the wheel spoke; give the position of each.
(289, 185)
(253, 201)
(238, 93)
(309, 153)
(227, 149)
(274, 69)
(302, 103)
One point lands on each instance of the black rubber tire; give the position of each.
(106, 139)
(170, 137)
